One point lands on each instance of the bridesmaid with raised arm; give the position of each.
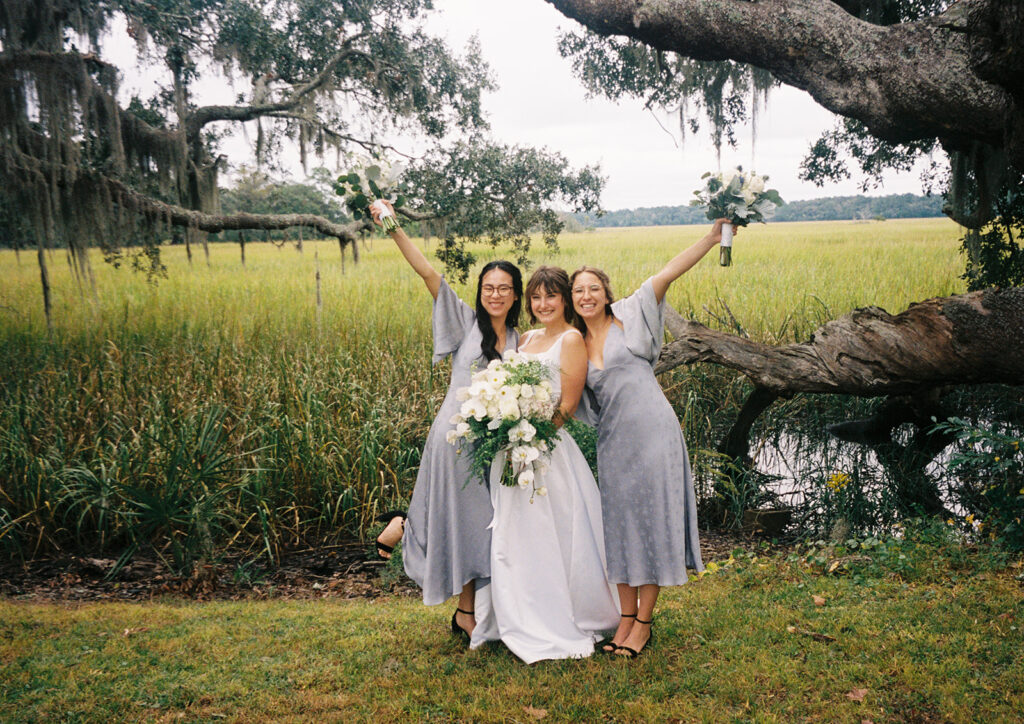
(446, 545)
(647, 498)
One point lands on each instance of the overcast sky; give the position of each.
(539, 103)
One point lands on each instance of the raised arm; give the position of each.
(574, 376)
(685, 260)
(412, 254)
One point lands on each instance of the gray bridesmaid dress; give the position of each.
(446, 543)
(647, 498)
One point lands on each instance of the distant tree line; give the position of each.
(834, 208)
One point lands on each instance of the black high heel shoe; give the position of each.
(608, 646)
(387, 518)
(458, 630)
(633, 653)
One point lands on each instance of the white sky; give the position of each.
(539, 103)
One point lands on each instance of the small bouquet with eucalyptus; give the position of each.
(738, 196)
(372, 180)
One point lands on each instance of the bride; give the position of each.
(549, 595)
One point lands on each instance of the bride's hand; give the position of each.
(375, 210)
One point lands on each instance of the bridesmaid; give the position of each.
(446, 546)
(649, 507)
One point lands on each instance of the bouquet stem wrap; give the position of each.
(725, 248)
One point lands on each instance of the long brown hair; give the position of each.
(551, 279)
(605, 282)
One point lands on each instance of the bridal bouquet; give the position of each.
(738, 196)
(507, 408)
(371, 180)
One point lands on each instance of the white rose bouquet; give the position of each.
(738, 196)
(508, 407)
(372, 179)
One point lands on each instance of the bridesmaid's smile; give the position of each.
(588, 296)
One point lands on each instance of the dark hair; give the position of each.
(605, 282)
(483, 318)
(551, 279)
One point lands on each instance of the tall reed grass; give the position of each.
(220, 410)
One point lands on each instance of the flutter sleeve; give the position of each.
(643, 321)
(450, 321)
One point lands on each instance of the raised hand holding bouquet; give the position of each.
(738, 196)
(507, 408)
(371, 180)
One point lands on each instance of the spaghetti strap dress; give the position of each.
(548, 596)
(446, 543)
(647, 496)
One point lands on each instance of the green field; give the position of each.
(220, 409)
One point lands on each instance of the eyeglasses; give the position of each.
(503, 291)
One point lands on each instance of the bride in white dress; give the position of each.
(549, 595)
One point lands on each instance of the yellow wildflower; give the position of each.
(837, 481)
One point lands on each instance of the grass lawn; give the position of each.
(901, 632)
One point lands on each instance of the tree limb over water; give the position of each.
(970, 338)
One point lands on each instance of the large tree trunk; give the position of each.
(909, 357)
(955, 76)
(966, 339)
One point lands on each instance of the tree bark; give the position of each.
(905, 82)
(344, 233)
(965, 339)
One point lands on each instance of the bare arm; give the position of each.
(574, 376)
(412, 254)
(685, 260)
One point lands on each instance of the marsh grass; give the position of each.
(317, 416)
(921, 628)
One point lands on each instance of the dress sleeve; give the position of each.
(449, 322)
(643, 321)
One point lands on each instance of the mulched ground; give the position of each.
(343, 571)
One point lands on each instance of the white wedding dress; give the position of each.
(548, 595)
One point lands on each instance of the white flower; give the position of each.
(542, 491)
(525, 478)
(508, 392)
(509, 409)
(462, 394)
(756, 184)
(748, 195)
(523, 431)
(473, 408)
(495, 423)
(462, 429)
(542, 392)
(452, 437)
(456, 419)
(525, 391)
(523, 455)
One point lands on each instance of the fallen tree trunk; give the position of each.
(971, 338)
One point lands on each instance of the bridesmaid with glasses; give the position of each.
(446, 545)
